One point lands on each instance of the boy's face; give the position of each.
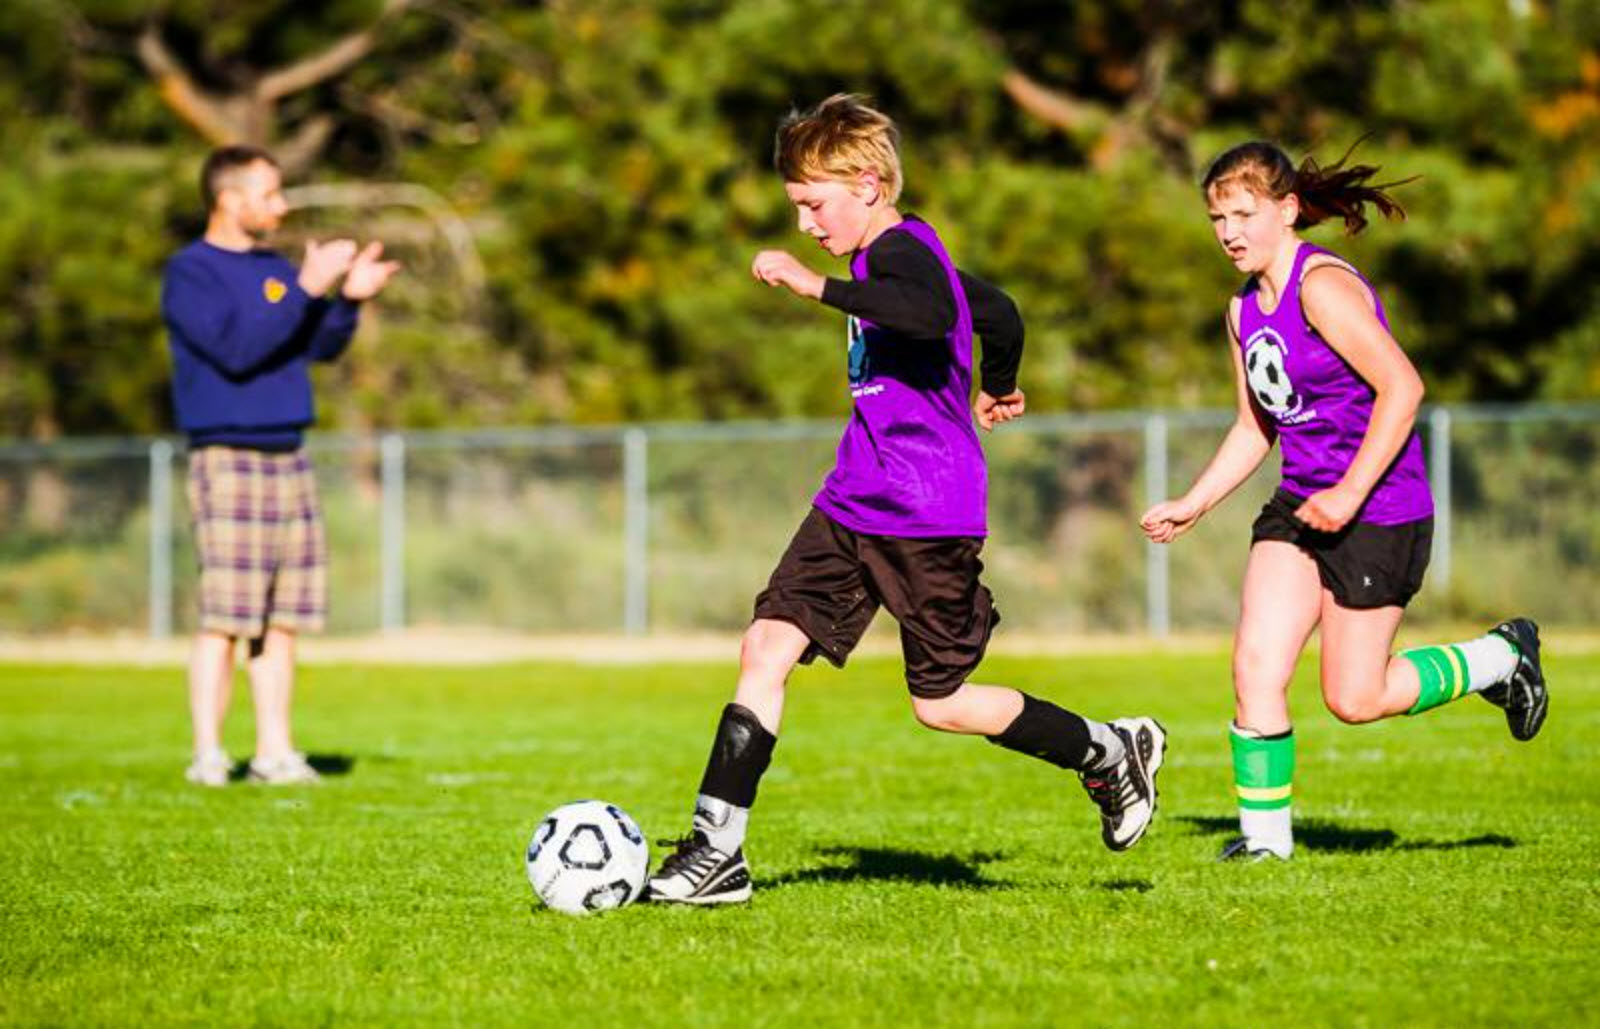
(834, 213)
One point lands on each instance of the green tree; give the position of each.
(608, 163)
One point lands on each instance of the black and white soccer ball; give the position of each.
(1267, 376)
(587, 856)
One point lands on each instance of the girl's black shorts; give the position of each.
(1362, 565)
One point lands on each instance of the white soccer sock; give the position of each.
(723, 823)
(1490, 660)
(1268, 830)
(1110, 743)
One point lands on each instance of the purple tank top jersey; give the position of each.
(1321, 406)
(909, 462)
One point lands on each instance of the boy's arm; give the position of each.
(906, 290)
(995, 318)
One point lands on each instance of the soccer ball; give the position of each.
(1268, 378)
(587, 856)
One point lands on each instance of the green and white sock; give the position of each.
(1452, 671)
(1263, 778)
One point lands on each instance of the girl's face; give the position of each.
(1251, 228)
(835, 213)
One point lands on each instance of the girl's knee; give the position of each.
(1353, 707)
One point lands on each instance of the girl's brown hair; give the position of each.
(1335, 191)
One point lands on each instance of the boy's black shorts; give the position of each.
(832, 580)
(1363, 566)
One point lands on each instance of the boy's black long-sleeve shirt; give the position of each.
(908, 292)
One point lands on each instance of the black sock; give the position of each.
(1050, 733)
(739, 756)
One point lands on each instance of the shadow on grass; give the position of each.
(325, 765)
(1333, 838)
(1127, 885)
(884, 864)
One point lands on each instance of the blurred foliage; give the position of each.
(611, 162)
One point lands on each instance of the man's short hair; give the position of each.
(839, 139)
(222, 163)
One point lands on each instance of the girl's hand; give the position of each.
(1170, 519)
(1330, 510)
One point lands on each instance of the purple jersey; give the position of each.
(909, 463)
(1321, 406)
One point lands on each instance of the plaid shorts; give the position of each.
(258, 533)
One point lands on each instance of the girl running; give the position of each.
(1344, 541)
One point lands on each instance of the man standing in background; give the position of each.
(244, 325)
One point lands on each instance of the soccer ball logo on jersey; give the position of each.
(860, 368)
(860, 363)
(1267, 373)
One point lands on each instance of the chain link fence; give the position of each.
(670, 528)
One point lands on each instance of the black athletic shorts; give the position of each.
(1362, 565)
(832, 580)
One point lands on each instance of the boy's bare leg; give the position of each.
(767, 655)
(1116, 762)
(708, 866)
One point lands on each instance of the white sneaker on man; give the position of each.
(292, 769)
(211, 769)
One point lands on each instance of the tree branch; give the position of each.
(1052, 107)
(296, 153)
(194, 105)
(318, 67)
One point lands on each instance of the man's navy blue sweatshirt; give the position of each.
(243, 334)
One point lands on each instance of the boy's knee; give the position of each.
(944, 714)
(761, 649)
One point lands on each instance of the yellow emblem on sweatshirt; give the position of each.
(274, 290)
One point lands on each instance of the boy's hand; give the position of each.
(324, 263)
(991, 411)
(368, 274)
(779, 268)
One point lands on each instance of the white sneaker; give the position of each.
(210, 769)
(698, 873)
(1126, 792)
(291, 769)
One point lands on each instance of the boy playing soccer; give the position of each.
(900, 520)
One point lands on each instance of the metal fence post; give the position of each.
(635, 531)
(161, 539)
(1439, 482)
(1158, 599)
(392, 536)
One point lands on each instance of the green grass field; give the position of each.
(1446, 874)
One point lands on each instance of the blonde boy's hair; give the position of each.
(839, 139)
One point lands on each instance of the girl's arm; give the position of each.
(1243, 449)
(1341, 308)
